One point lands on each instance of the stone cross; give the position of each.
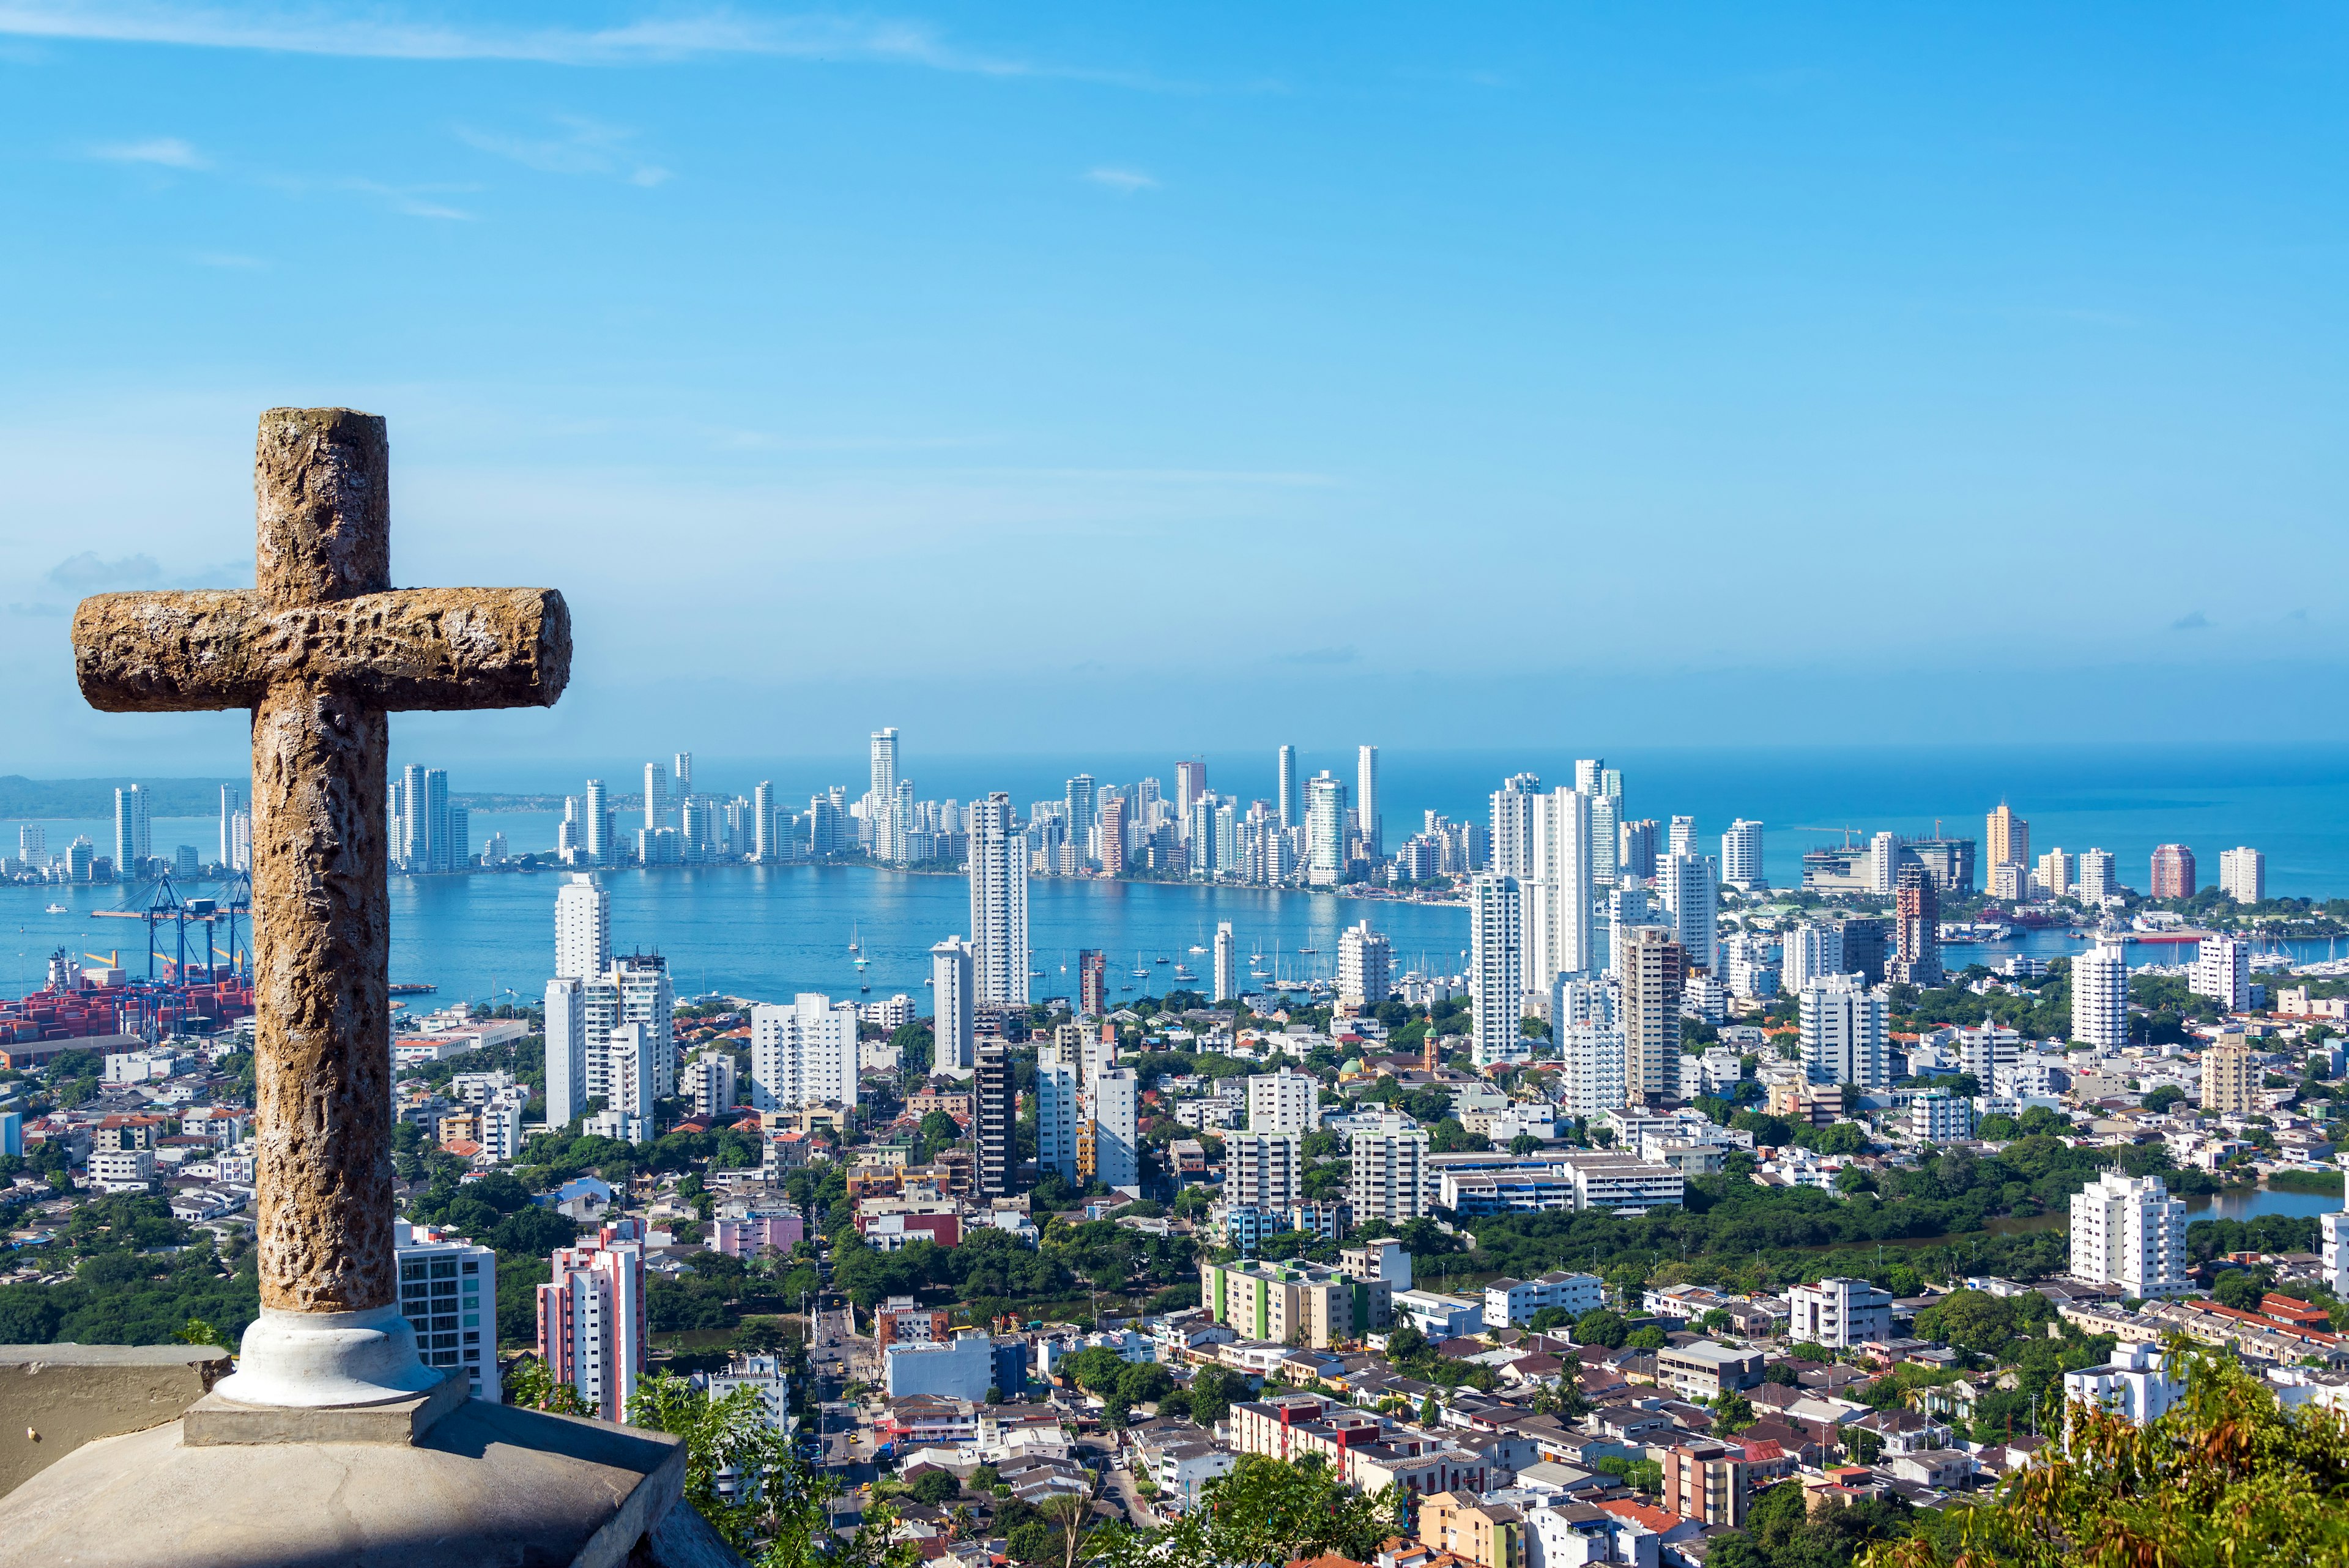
(323, 652)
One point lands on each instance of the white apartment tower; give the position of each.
(583, 927)
(133, 834)
(1692, 897)
(1389, 1175)
(1288, 797)
(1365, 966)
(567, 1050)
(2243, 875)
(2097, 881)
(1114, 1097)
(1511, 853)
(593, 1322)
(1284, 1102)
(1263, 1171)
(1325, 830)
(2333, 1229)
(762, 822)
(1590, 1041)
(2223, 971)
(2100, 994)
(1227, 964)
(1366, 800)
(951, 976)
(1654, 971)
(1059, 1105)
(1806, 952)
(1844, 1032)
(804, 1055)
(2128, 1231)
(448, 1295)
(1555, 897)
(1741, 856)
(998, 904)
(1496, 971)
(655, 797)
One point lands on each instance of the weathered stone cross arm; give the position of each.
(403, 652)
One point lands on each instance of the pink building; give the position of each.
(592, 1328)
(748, 1238)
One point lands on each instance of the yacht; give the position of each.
(1181, 972)
(57, 909)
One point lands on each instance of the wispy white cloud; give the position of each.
(227, 261)
(410, 200)
(585, 147)
(1126, 181)
(385, 35)
(167, 150)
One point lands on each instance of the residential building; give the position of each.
(2006, 838)
(1383, 1259)
(1701, 1372)
(582, 928)
(959, 1368)
(1511, 851)
(1844, 1032)
(1366, 800)
(566, 1051)
(1114, 1099)
(1511, 1303)
(448, 1295)
(1937, 1117)
(1653, 970)
(1060, 1107)
(1092, 983)
(710, 1082)
(2333, 1228)
(1289, 799)
(1554, 897)
(2097, 881)
(1691, 892)
(996, 1116)
(1227, 964)
(804, 1055)
(1988, 1049)
(1439, 1316)
(2128, 1231)
(1473, 1532)
(1391, 1180)
(2243, 875)
(1806, 952)
(2135, 1384)
(2230, 1078)
(121, 1169)
(2058, 873)
(1706, 1481)
(2173, 872)
(2100, 994)
(593, 1329)
(1917, 928)
(2223, 971)
(1284, 1102)
(999, 903)
(1741, 856)
(1838, 1313)
(1325, 830)
(953, 974)
(1592, 1076)
(1263, 1171)
(1495, 971)
(1293, 1303)
(1365, 965)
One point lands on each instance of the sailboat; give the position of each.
(852, 937)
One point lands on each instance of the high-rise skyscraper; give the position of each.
(2100, 994)
(1365, 966)
(583, 927)
(1060, 1107)
(1683, 839)
(804, 1054)
(1586, 770)
(2243, 875)
(1654, 969)
(1590, 1045)
(1636, 845)
(1555, 895)
(1114, 1099)
(1190, 784)
(133, 841)
(684, 775)
(1325, 830)
(655, 797)
(1226, 975)
(228, 809)
(763, 845)
(1917, 928)
(1692, 899)
(2006, 838)
(1092, 983)
(1806, 952)
(998, 904)
(1366, 800)
(1844, 1039)
(884, 783)
(951, 978)
(566, 1051)
(592, 1324)
(1081, 815)
(2097, 881)
(2173, 872)
(1289, 798)
(1512, 850)
(599, 826)
(995, 1115)
(1741, 856)
(1496, 970)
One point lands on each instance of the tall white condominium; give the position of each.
(1604, 785)
(1741, 856)
(1585, 773)
(1629, 906)
(1844, 1032)
(599, 826)
(1511, 853)
(1391, 1181)
(1116, 1103)
(2100, 995)
(228, 812)
(1227, 965)
(1365, 966)
(881, 796)
(2333, 1229)
(2223, 971)
(1692, 899)
(1806, 952)
(1324, 829)
(628, 1079)
(1261, 1171)
(998, 904)
(804, 1055)
(656, 796)
(1555, 894)
(591, 1320)
(1366, 799)
(951, 976)
(1060, 1100)
(2096, 879)
(1884, 863)
(1591, 1041)
(1654, 975)
(645, 997)
(1190, 784)
(2055, 873)
(583, 927)
(1284, 1102)
(2130, 1232)
(1496, 971)
(1684, 837)
(567, 1050)
(762, 822)
(133, 841)
(2243, 875)
(1288, 797)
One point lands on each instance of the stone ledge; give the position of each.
(213, 1421)
(489, 1484)
(56, 1397)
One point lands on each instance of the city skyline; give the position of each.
(1558, 302)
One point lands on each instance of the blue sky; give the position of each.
(1040, 378)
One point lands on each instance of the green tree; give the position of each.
(1601, 1326)
(935, 1487)
(1266, 1512)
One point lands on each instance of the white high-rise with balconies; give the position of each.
(1807, 951)
(1366, 800)
(1691, 899)
(951, 1039)
(583, 927)
(1555, 897)
(1284, 1102)
(566, 1051)
(1325, 830)
(1591, 1079)
(1226, 976)
(2243, 875)
(1289, 799)
(2097, 880)
(1741, 856)
(1844, 1032)
(2100, 994)
(803, 1054)
(1495, 971)
(1511, 851)
(1389, 1177)
(2128, 1231)
(1365, 966)
(2223, 971)
(998, 904)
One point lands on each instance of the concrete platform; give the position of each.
(215, 1421)
(489, 1486)
(53, 1398)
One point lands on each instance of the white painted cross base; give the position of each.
(308, 1360)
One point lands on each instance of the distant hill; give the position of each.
(24, 797)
